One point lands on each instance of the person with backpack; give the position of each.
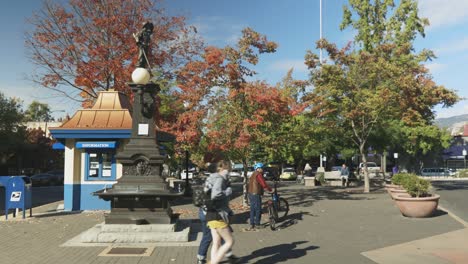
(256, 188)
(202, 200)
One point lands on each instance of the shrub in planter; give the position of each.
(416, 186)
(400, 178)
(420, 203)
(320, 176)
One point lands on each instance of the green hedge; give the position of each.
(462, 173)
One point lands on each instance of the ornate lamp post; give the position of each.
(141, 195)
(187, 191)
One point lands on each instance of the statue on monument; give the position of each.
(143, 39)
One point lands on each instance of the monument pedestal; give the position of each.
(121, 233)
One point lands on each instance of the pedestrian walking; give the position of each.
(206, 232)
(256, 188)
(218, 215)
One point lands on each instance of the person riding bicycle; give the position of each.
(256, 187)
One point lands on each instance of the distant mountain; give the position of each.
(452, 122)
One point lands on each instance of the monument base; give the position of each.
(121, 233)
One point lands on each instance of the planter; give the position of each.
(397, 191)
(392, 186)
(417, 207)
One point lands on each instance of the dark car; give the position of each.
(271, 173)
(46, 179)
(59, 174)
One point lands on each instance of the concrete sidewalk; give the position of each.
(325, 225)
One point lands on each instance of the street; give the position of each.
(453, 196)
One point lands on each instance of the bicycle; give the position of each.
(278, 207)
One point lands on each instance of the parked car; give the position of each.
(59, 173)
(236, 175)
(46, 179)
(250, 171)
(270, 173)
(288, 174)
(431, 172)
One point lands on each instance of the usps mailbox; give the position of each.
(18, 194)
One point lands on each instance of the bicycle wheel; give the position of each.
(271, 213)
(283, 207)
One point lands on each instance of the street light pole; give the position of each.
(186, 191)
(464, 157)
(395, 155)
(187, 186)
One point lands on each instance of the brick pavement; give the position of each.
(325, 225)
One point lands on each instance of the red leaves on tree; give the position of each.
(90, 47)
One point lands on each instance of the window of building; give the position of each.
(100, 165)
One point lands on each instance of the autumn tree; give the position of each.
(225, 111)
(86, 46)
(378, 79)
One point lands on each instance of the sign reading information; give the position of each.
(102, 144)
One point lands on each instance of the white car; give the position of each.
(235, 175)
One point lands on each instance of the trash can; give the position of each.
(18, 194)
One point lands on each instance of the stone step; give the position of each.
(138, 228)
(102, 233)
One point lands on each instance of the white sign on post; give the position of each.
(143, 129)
(15, 197)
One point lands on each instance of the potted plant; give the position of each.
(420, 202)
(397, 184)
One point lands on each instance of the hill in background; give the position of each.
(452, 123)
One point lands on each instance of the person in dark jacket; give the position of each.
(256, 188)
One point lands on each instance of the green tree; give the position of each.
(12, 132)
(381, 80)
(38, 112)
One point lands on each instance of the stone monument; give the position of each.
(141, 196)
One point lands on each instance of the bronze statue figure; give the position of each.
(143, 39)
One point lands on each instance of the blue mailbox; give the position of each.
(18, 194)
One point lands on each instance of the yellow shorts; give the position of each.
(215, 224)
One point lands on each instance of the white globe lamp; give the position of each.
(141, 76)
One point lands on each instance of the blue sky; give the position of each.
(294, 25)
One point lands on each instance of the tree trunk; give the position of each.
(244, 184)
(365, 170)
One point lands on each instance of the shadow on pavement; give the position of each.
(53, 214)
(278, 253)
(439, 212)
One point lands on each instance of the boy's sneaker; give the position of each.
(201, 261)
